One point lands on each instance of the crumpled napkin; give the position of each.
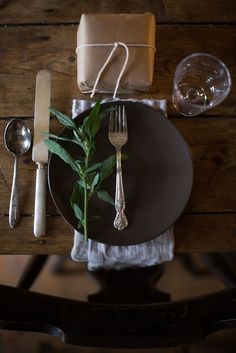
(101, 256)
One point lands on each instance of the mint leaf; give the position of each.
(63, 119)
(107, 167)
(92, 123)
(63, 138)
(95, 181)
(94, 167)
(57, 149)
(89, 179)
(77, 195)
(78, 213)
(95, 110)
(104, 196)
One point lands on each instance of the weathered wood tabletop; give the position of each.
(37, 35)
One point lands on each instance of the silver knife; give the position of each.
(40, 150)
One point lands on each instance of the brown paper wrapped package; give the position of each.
(130, 29)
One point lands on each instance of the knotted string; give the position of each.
(115, 46)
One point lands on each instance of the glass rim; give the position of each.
(226, 92)
(209, 56)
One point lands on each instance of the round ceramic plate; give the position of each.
(157, 177)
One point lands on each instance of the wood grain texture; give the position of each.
(212, 142)
(26, 50)
(213, 146)
(21, 240)
(205, 232)
(193, 233)
(42, 35)
(18, 12)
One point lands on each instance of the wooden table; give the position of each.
(39, 34)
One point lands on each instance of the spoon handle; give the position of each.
(14, 200)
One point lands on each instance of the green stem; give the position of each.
(85, 222)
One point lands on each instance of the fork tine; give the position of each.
(115, 120)
(111, 122)
(124, 120)
(119, 119)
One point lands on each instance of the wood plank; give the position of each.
(193, 233)
(21, 240)
(28, 49)
(165, 10)
(213, 146)
(205, 232)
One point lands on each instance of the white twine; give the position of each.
(115, 46)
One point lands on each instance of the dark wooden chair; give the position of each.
(127, 312)
(118, 325)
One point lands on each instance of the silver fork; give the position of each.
(118, 136)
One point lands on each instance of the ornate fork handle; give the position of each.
(120, 221)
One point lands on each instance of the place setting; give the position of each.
(120, 173)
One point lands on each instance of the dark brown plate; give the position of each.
(158, 177)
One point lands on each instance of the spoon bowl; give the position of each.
(17, 137)
(17, 140)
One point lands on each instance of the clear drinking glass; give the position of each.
(201, 82)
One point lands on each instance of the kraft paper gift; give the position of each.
(130, 38)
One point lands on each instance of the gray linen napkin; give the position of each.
(102, 256)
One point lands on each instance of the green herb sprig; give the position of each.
(91, 176)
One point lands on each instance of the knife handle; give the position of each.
(40, 201)
(14, 200)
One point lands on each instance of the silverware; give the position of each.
(17, 139)
(40, 151)
(118, 136)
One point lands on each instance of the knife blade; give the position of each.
(40, 150)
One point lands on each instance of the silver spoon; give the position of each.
(17, 139)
